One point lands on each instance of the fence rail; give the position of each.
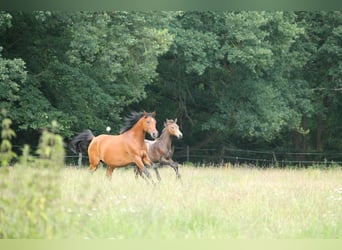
(256, 157)
(237, 156)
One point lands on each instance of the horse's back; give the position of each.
(110, 149)
(102, 141)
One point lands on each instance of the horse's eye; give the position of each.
(148, 122)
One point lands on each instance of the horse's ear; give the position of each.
(154, 113)
(145, 113)
(176, 120)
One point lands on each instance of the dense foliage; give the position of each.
(243, 79)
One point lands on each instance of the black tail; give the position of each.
(80, 143)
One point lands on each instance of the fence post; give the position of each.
(222, 154)
(275, 162)
(79, 159)
(187, 153)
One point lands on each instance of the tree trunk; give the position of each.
(319, 133)
(299, 139)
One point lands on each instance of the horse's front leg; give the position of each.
(148, 161)
(155, 168)
(137, 172)
(172, 164)
(139, 162)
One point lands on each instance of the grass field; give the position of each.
(209, 203)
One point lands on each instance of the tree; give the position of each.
(323, 72)
(12, 71)
(83, 68)
(242, 78)
(233, 75)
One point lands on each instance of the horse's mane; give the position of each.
(132, 119)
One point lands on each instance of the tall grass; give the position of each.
(30, 190)
(208, 203)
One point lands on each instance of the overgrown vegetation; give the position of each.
(240, 79)
(41, 198)
(210, 203)
(30, 191)
(6, 152)
(245, 79)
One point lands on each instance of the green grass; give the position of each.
(208, 203)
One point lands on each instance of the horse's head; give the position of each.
(150, 124)
(173, 128)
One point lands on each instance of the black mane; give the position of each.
(132, 119)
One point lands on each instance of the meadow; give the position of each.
(209, 203)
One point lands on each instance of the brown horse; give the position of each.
(121, 150)
(160, 150)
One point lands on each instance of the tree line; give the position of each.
(244, 79)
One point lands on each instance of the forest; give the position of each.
(244, 80)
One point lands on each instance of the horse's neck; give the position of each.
(165, 139)
(137, 134)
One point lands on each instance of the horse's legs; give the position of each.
(94, 163)
(109, 172)
(172, 164)
(155, 167)
(142, 168)
(137, 172)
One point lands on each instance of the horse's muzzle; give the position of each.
(154, 135)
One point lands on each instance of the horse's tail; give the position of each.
(80, 143)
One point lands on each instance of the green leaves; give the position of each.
(6, 153)
(12, 74)
(5, 20)
(246, 62)
(248, 74)
(83, 68)
(116, 53)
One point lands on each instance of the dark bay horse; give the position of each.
(123, 149)
(160, 150)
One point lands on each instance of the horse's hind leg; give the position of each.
(93, 163)
(109, 172)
